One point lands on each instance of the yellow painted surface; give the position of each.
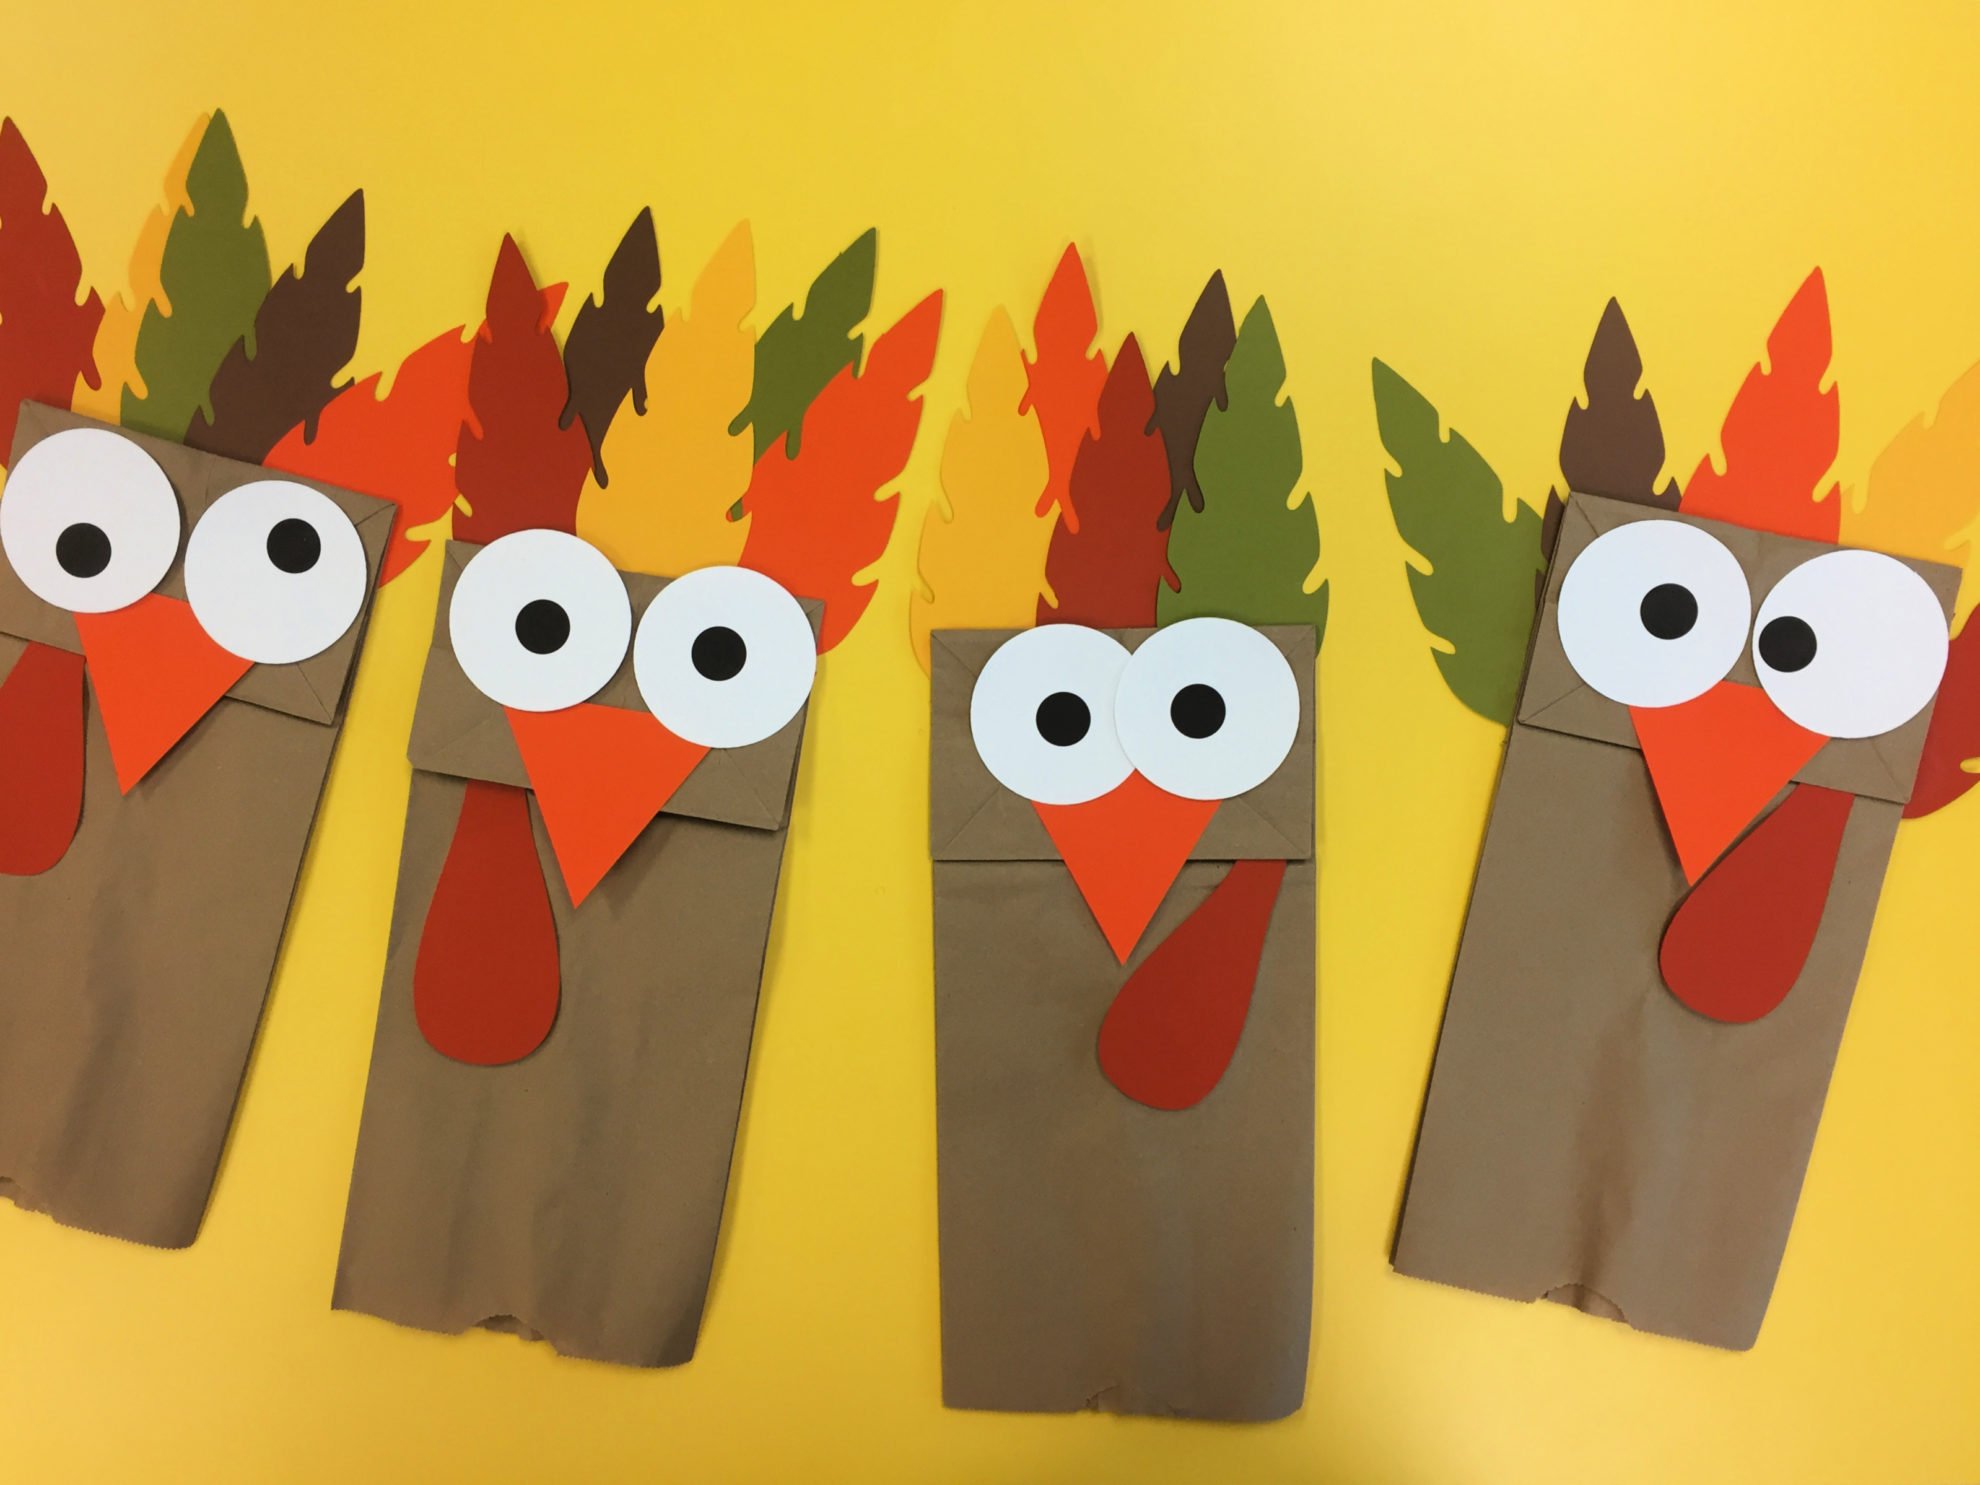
(1455, 187)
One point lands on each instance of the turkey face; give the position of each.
(1126, 756)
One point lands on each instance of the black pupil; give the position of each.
(719, 653)
(83, 550)
(1063, 719)
(1669, 611)
(293, 545)
(542, 626)
(1787, 644)
(1197, 710)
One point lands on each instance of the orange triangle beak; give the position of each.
(1716, 761)
(155, 673)
(600, 773)
(1125, 850)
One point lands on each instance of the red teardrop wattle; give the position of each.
(1174, 1027)
(485, 983)
(41, 759)
(1739, 939)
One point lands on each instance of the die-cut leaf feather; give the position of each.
(1473, 580)
(606, 352)
(803, 351)
(1186, 391)
(1063, 379)
(47, 327)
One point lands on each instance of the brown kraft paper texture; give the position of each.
(574, 1196)
(1587, 1138)
(137, 965)
(1097, 1253)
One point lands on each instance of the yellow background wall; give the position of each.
(1454, 187)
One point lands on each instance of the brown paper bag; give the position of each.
(573, 1196)
(137, 965)
(1097, 1253)
(1588, 1138)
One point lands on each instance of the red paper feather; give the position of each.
(1953, 740)
(514, 464)
(1105, 571)
(814, 521)
(46, 332)
(1780, 437)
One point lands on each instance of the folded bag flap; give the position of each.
(459, 731)
(313, 688)
(1555, 696)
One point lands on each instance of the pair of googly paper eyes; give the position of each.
(540, 621)
(1205, 709)
(275, 571)
(1848, 644)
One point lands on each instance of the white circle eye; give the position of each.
(724, 657)
(1208, 708)
(1654, 613)
(275, 572)
(1042, 714)
(1850, 644)
(539, 620)
(89, 522)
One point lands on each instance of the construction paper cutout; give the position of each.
(90, 522)
(1780, 435)
(600, 774)
(1612, 442)
(399, 446)
(1851, 644)
(982, 554)
(155, 672)
(1125, 850)
(1251, 548)
(1207, 708)
(1949, 763)
(1923, 494)
(1172, 1030)
(1738, 941)
(1063, 380)
(275, 571)
(605, 353)
(212, 277)
(283, 372)
(1105, 569)
(41, 757)
(1654, 613)
(1473, 573)
(1186, 390)
(486, 981)
(816, 518)
(47, 326)
(539, 620)
(800, 355)
(1716, 761)
(1042, 714)
(677, 470)
(115, 349)
(515, 465)
(724, 657)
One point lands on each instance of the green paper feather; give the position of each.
(1250, 553)
(800, 353)
(1474, 580)
(214, 275)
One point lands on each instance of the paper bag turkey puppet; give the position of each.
(1122, 830)
(177, 635)
(1721, 723)
(603, 771)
